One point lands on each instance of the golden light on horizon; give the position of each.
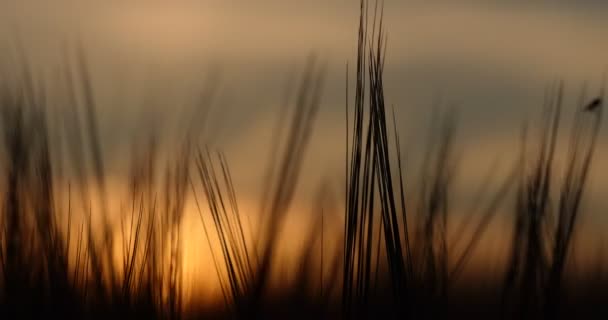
(200, 280)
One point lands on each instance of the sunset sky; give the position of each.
(150, 61)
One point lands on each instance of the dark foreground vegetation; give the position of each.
(391, 264)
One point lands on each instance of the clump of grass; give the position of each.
(537, 261)
(369, 179)
(582, 147)
(227, 223)
(439, 170)
(35, 252)
(248, 272)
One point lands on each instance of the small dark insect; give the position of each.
(594, 105)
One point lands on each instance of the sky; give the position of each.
(150, 61)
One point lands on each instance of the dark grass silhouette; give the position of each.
(395, 260)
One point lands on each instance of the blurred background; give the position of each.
(154, 64)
